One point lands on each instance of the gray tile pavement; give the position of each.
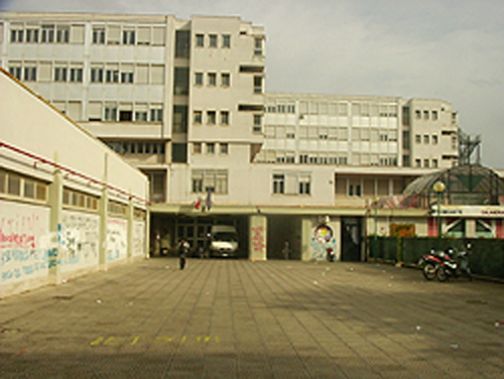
(238, 319)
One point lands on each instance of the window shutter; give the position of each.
(157, 73)
(95, 111)
(158, 36)
(77, 34)
(143, 34)
(45, 71)
(142, 74)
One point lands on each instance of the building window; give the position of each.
(209, 180)
(60, 74)
(212, 79)
(196, 147)
(258, 42)
(224, 148)
(426, 163)
(22, 186)
(112, 76)
(434, 115)
(156, 115)
(63, 34)
(434, 139)
(110, 113)
(32, 35)
(426, 115)
(258, 84)
(210, 148)
(278, 183)
(197, 117)
(15, 71)
(30, 73)
(181, 82)
(96, 75)
(198, 78)
(226, 41)
(76, 74)
(127, 77)
(426, 139)
(99, 36)
(17, 35)
(418, 163)
(418, 114)
(354, 190)
(128, 37)
(406, 160)
(225, 79)
(200, 40)
(211, 115)
(435, 163)
(140, 115)
(47, 35)
(418, 138)
(257, 126)
(224, 118)
(304, 185)
(212, 40)
(182, 43)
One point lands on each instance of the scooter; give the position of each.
(331, 257)
(430, 262)
(455, 264)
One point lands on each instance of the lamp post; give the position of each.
(439, 187)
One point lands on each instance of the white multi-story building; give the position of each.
(183, 100)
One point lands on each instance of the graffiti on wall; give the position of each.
(322, 240)
(258, 239)
(139, 238)
(117, 239)
(25, 245)
(79, 239)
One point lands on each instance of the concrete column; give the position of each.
(103, 212)
(335, 225)
(258, 238)
(56, 213)
(470, 228)
(306, 238)
(131, 218)
(147, 233)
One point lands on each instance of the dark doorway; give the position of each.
(351, 239)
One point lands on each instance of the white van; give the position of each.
(223, 241)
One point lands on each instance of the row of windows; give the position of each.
(49, 33)
(426, 114)
(212, 40)
(99, 73)
(80, 200)
(280, 108)
(292, 183)
(125, 112)
(343, 109)
(128, 35)
(211, 117)
(116, 208)
(209, 148)
(427, 139)
(141, 148)
(427, 163)
(204, 181)
(23, 187)
(324, 133)
(225, 79)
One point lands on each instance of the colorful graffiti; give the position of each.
(25, 248)
(322, 240)
(138, 238)
(117, 239)
(79, 239)
(257, 239)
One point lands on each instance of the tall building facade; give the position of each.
(184, 101)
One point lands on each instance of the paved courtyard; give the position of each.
(238, 319)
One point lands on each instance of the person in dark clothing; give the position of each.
(183, 249)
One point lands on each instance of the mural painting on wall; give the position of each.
(402, 230)
(25, 243)
(79, 238)
(138, 238)
(117, 238)
(257, 239)
(322, 240)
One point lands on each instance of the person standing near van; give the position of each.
(183, 249)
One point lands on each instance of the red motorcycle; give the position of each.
(430, 262)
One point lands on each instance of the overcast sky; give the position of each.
(447, 49)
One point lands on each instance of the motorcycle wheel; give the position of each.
(429, 271)
(441, 275)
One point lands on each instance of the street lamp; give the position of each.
(439, 187)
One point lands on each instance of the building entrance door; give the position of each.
(351, 239)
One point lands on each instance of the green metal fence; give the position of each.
(486, 259)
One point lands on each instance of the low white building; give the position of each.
(69, 205)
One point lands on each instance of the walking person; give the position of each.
(286, 250)
(183, 249)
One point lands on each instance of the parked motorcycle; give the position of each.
(430, 262)
(455, 264)
(331, 256)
